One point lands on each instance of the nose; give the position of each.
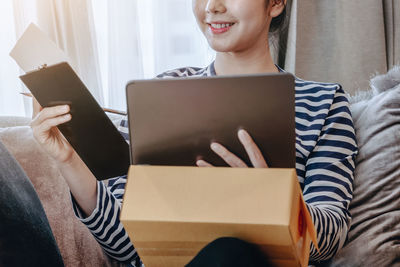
(215, 6)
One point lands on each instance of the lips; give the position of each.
(220, 27)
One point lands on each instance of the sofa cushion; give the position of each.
(374, 236)
(12, 121)
(77, 245)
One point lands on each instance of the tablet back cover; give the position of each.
(90, 132)
(174, 121)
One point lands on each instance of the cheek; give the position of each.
(253, 20)
(249, 11)
(198, 7)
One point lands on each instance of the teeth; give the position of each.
(221, 26)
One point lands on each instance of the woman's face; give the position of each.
(233, 25)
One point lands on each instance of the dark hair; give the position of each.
(278, 22)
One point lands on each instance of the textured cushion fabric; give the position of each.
(10, 121)
(76, 244)
(374, 236)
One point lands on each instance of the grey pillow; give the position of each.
(374, 236)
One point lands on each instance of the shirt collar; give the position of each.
(211, 69)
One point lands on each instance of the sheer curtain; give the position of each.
(14, 17)
(108, 43)
(140, 39)
(68, 23)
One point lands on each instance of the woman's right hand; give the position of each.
(46, 133)
(80, 180)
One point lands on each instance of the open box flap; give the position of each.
(310, 225)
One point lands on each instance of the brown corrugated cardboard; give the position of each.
(170, 213)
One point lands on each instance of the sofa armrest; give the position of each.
(13, 121)
(77, 246)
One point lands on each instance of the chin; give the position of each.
(221, 46)
(224, 44)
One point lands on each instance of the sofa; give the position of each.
(74, 241)
(374, 235)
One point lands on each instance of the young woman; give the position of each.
(238, 30)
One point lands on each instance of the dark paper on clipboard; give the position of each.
(90, 132)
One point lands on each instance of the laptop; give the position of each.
(174, 121)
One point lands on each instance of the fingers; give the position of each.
(47, 119)
(202, 163)
(53, 122)
(255, 155)
(228, 156)
(50, 112)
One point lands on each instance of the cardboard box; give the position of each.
(171, 213)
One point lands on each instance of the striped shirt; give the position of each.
(325, 154)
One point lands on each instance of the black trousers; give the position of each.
(26, 238)
(230, 252)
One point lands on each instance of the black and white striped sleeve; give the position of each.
(328, 184)
(104, 222)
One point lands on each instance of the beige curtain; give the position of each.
(392, 24)
(70, 24)
(342, 41)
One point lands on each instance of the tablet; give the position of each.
(173, 121)
(90, 132)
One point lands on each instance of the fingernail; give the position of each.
(242, 133)
(214, 146)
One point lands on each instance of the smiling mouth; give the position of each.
(221, 25)
(219, 28)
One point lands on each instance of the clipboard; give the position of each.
(90, 132)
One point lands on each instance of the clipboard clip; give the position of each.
(42, 66)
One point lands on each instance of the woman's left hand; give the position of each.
(232, 160)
